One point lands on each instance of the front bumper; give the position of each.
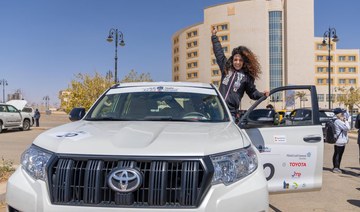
(249, 194)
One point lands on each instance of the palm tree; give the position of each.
(300, 95)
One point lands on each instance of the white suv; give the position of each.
(165, 146)
(12, 118)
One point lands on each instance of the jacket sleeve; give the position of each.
(251, 90)
(219, 53)
(343, 126)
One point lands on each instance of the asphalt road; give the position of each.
(340, 192)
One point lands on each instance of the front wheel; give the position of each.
(26, 125)
(1, 127)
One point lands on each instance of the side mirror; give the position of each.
(77, 113)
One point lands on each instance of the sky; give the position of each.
(44, 44)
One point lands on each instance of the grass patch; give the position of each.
(6, 169)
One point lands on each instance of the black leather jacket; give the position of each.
(235, 83)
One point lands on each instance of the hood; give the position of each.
(141, 138)
(19, 104)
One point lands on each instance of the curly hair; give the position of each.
(251, 64)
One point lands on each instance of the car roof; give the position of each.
(178, 84)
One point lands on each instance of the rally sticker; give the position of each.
(73, 135)
(279, 139)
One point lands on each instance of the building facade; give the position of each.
(279, 32)
(344, 72)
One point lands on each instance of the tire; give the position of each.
(1, 127)
(26, 125)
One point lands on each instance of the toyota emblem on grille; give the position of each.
(124, 180)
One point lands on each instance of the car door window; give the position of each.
(12, 109)
(3, 108)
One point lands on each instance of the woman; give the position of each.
(238, 74)
(341, 128)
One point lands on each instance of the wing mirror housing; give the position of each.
(77, 114)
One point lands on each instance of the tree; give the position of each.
(301, 95)
(85, 89)
(133, 76)
(349, 97)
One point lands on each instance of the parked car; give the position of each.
(22, 106)
(12, 118)
(302, 116)
(166, 146)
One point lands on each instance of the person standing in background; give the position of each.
(37, 117)
(342, 128)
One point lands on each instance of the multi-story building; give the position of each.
(279, 32)
(344, 72)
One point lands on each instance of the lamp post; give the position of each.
(119, 37)
(331, 32)
(4, 83)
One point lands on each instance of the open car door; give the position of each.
(291, 146)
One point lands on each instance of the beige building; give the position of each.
(344, 71)
(279, 32)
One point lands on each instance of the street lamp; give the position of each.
(4, 83)
(119, 37)
(327, 41)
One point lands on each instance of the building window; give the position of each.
(332, 97)
(319, 46)
(192, 54)
(327, 81)
(176, 40)
(213, 62)
(320, 69)
(352, 70)
(192, 75)
(342, 58)
(176, 78)
(320, 81)
(275, 49)
(319, 58)
(320, 97)
(192, 65)
(176, 59)
(331, 69)
(342, 81)
(341, 70)
(215, 72)
(224, 38)
(192, 34)
(224, 27)
(225, 49)
(192, 44)
(352, 81)
(352, 58)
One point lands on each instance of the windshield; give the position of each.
(159, 106)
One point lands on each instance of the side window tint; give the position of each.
(282, 109)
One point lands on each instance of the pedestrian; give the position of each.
(37, 117)
(357, 126)
(342, 128)
(238, 74)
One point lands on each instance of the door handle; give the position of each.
(312, 138)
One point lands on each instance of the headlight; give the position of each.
(34, 161)
(233, 166)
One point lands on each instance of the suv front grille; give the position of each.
(167, 182)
